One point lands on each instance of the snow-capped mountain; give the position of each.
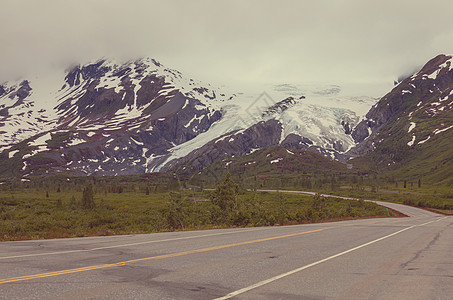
(410, 130)
(103, 117)
(107, 118)
(422, 101)
(315, 118)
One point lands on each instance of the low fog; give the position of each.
(231, 42)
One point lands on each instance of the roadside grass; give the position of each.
(31, 215)
(436, 198)
(27, 213)
(52, 207)
(447, 212)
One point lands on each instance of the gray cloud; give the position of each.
(233, 42)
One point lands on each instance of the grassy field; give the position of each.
(54, 209)
(435, 198)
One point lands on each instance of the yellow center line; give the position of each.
(104, 266)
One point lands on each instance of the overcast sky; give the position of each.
(232, 42)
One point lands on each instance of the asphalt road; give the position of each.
(389, 258)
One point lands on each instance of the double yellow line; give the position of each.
(118, 264)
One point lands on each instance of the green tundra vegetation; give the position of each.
(60, 206)
(427, 185)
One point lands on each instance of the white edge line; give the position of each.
(259, 284)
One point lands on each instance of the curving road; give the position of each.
(389, 258)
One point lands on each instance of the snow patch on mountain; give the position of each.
(12, 153)
(424, 141)
(437, 131)
(274, 161)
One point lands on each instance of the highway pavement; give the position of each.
(382, 258)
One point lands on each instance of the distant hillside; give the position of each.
(276, 166)
(408, 134)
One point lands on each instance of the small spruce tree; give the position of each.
(72, 203)
(225, 195)
(88, 197)
(176, 211)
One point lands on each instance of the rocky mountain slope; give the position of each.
(104, 118)
(107, 118)
(409, 132)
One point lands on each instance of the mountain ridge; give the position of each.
(408, 133)
(139, 117)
